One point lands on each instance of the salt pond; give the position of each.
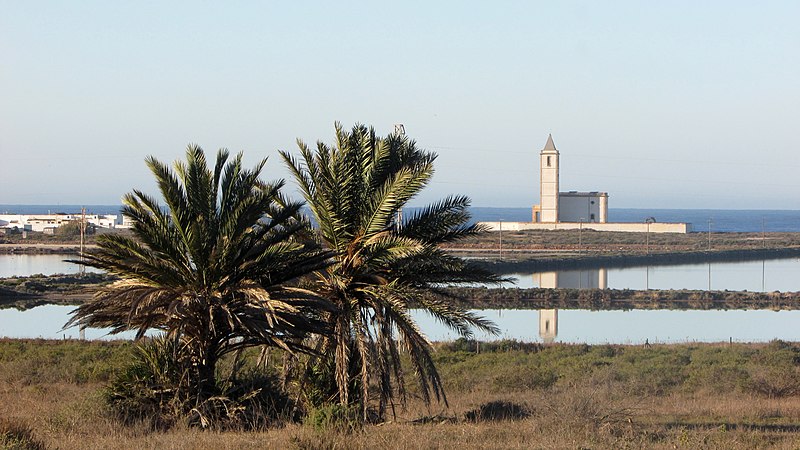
(755, 276)
(23, 265)
(574, 326)
(531, 325)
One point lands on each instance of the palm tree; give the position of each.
(384, 266)
(211, 268)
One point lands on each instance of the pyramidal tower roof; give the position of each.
(550, 146)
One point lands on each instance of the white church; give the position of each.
(572, 209)
(569, 206)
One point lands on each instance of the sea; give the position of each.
(702, 220)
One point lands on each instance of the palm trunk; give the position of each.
(206, 379)
(205, 372)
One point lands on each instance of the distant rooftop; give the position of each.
(583, 194)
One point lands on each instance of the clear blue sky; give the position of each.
(679, 104)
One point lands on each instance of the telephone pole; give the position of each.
(82, 269)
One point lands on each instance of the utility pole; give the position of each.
(648, 221)
(82, 269)
(764, 258)
(501, 239)
(710, 221)
(400, 130)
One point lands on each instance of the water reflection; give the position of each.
(21, 265)
(569, 279)
(755, 276)
(630, 327)
(548, 325)
(731, 276)
(47, 322)
(570, 326)
(574, 279)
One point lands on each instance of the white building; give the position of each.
(572, 206)
(42, 222)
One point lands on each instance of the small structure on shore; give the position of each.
(575, 210)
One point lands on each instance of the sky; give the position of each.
(679, 104)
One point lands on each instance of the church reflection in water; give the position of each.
(571, 279)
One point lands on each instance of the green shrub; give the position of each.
(154, 389)
(774, 381)
(335, 417)
(774, 371)
(526, 377)
(151, 388)
(71, 361)
(718, 369)
(497, 410)
(653, 371)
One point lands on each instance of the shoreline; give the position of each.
(37, 248)
(502, 298)
(623, 299)
(575, 262)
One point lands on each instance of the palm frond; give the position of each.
(382, 269)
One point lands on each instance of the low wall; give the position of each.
(632, 227)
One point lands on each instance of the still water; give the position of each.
(531, 325)
(47, 322)
(27, 265)
(772, 275)
(755, 276)
(629, 327)
(572, 326)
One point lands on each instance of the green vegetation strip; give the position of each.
(619, 260)
(28, 292)
(621, 299)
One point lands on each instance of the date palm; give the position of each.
(384, 267)
(211, 269)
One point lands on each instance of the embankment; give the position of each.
(621, 299)
(29, 292)
(636, 260)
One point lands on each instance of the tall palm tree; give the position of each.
(211, 268)
(384, 266)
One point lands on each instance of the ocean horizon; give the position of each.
(719, 220)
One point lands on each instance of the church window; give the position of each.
(548, 161)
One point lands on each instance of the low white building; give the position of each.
(42, 222)
(574, 206)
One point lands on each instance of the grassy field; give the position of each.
(569, 242)
(507, 395)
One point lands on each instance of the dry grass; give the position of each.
(603, 398)
(619, 242)
(567, 421)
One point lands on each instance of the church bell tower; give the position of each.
(548, 176)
